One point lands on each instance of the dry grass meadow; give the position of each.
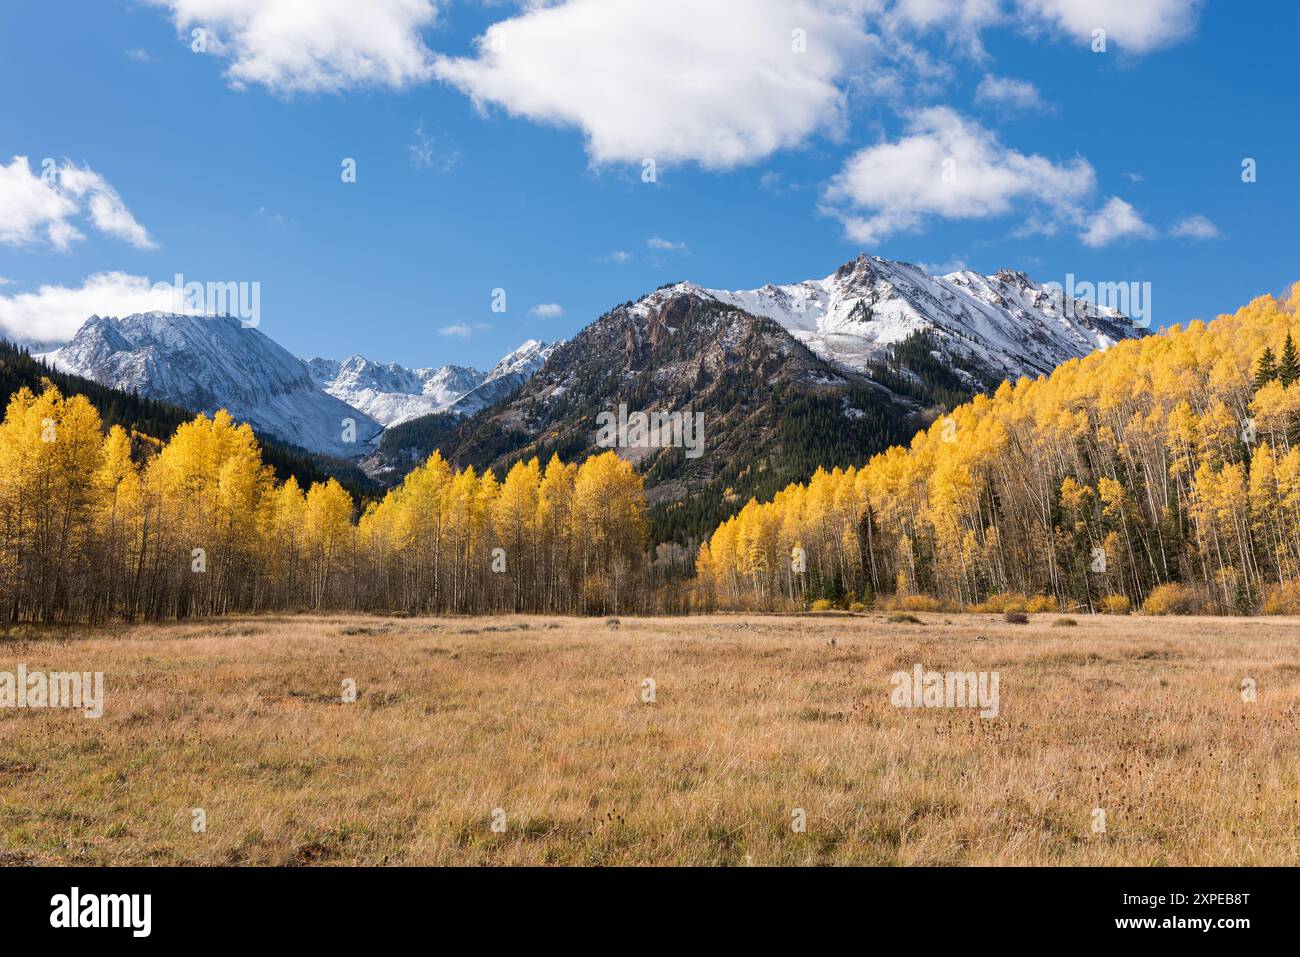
(754, 716)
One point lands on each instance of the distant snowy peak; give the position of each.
(525, 360)
(506, 376)
(358, 372)
(210, 363)
(448, 383)
(1006, 323)
(391, 393)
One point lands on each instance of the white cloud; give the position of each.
(36, 209)
(1137, 26)
(949, 167)
(937, 13)
(956, 264)
(139, 56)
(719, 83)
(427, 153)
(31, 207)
(55, 313)
(107, 211)
(620, 256)
(422, 149)
(307, 46)
(1114, 221)
(463, 330)
(460, 330)
(1003, 92)
(547, 310)
(1195, 227)
(961, 18)
(665, 245)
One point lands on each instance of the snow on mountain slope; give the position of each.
(1007, 324)
(524, 361)
(506, 376)
(210, 363)
(391, 393)
(982, 329)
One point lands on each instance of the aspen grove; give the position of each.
(98, 526)
(1162, 473)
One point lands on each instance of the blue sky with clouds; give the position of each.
(502, 145)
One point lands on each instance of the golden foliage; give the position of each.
(1282, 599)
(1172, 599)
(1116, 605)
(1155, 461)
(200, 526)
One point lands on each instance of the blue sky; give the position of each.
(516, 163)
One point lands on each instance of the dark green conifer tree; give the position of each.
(1288, 369)
(1265, 369)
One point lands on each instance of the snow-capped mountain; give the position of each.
(849, 363)
(210, 363)
(506, 376)
(524, 361)
(786, 378)
(1006, 324)
(391, 393)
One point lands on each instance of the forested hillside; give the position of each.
(1162, 473)
(772, 411)
(129, 410)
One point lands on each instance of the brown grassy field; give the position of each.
(754, 717)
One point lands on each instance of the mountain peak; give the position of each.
(209, 363)
(525, 360)
(393, 394)
(1013, 277)
(1005, 324)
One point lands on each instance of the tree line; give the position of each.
(1161, 473)
(99, 525)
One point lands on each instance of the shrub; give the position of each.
(999, 602)
(822, 604)
(1041, 603)
(1172, 600)
(1016, 618)
(857, 606)
(1116, 605)
(1281, 599)
(1064, 623)
(903, 618)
